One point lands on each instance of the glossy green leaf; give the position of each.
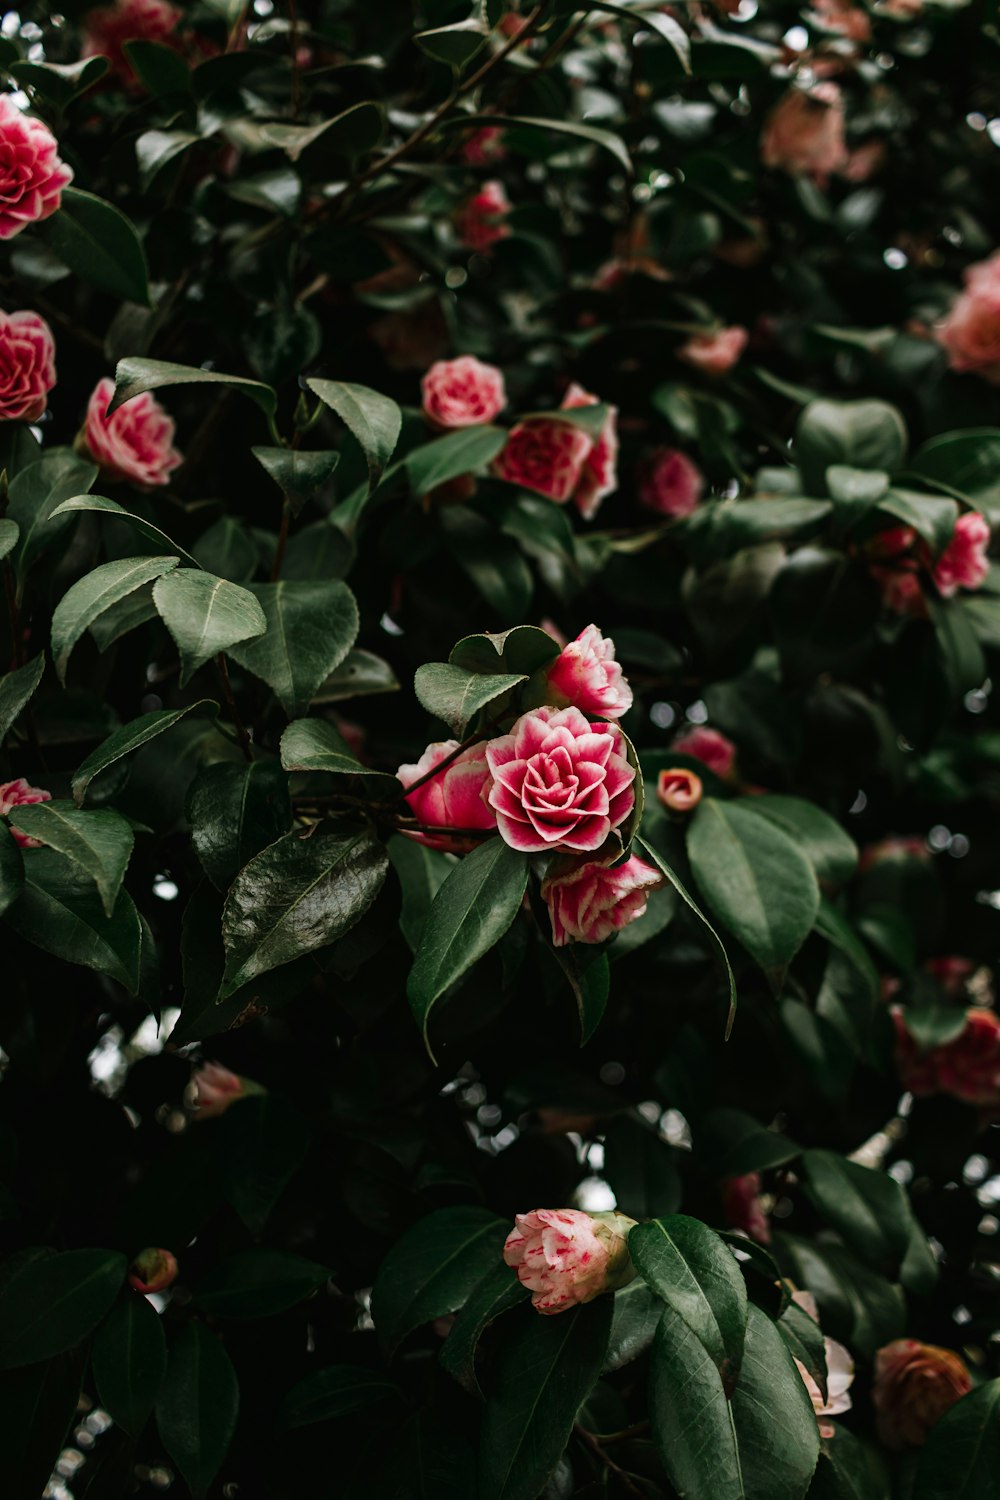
(235, 810)
(360, 675)
(804, 1340)
(9, 533)
(260, 1147)
(422, 872)
(99, 841)
(374, 420)
(297, 474)
(868, 1208)
(455, 696)
(860, 434)
(637, 1314)
(849, 1468)
(198, 1405)
(60, 83)
(856, 1305)
(493, 562)
(640, 1168)
(832, 853)
(470, 913)
(16, 691)
(97, 242)
(37, 1406)
(129, 1361)
(37, 493)
(60, 911)
(455, 45)
(497, 1293)
(205, 615)
(135, 375)
(687, 1265)
(131, 737)
(314, 745)
(961, 1459)
(964, 463)
(931, 516)
(258, 1283)
(297, 895)
(434, 1269)
(101, 504)
(53, 1302)
(156, 149)
(589, 976)
(450, 457)
(585, 135)
(95, 593)
(310, 629)
(228, 549)
(689, 901)
(338, 1391)
(734, 1143)
(160, 68)
(524, 648)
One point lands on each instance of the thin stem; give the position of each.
(594, 1444)
(234, 713)
(279, 551)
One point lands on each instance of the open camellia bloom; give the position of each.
(481, 221)
(963, 564)
(19, 794)
(839, 1372)
(589, 902)
(679, 790)
(455, 797)
(669, 483)
(135, 442)
(32, 176)
(804, 133)
(462, 392)
(586, 675)
(27, 366)
(970, 334)
(711, 747)
(565, 1257)
(109, 27)
(915, 1384)
(559, 781)
(599, 475)
(968, 1067)
(714, 353)
(545, 455)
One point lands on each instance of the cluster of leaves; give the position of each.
(217, 680)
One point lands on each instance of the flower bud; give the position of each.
(839, 1372)
(216, 1089)
(588, 902)
(915, 1384)
(586, 675)
(152, 1270)
(454, 797)
(680, 791)
(565, 1257)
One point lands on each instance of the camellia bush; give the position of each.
(500, 778)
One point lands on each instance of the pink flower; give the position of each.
(743, 1209)
(901, 591)
(216, 1088)
(484, 145)
(896, 558)
(135, 442)
(804, 133)
(911, 847)
(480, 220)
(600, 470)
(559, 782)
(967, 1067)
(27, 366)
(462, 392)
(839, 1373)
(915, 1384)
(970, 334)
(713, 749)
(545, 455)
(670, 483)
(586, 675)
(715, 353)
(107, 29)
(19, 794)
(840, 15)
(680, 791)
(865, 161)
(152, 1271)
(455, 798)
(565, 1257)
(590, 901)
(31, 175)
(963, 563)
(952, 974)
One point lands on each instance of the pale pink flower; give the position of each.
(480, 221)
(804, 133)
(216, 1089)
(713, 749)
(715, 353)
(669, 483)
(462, 392)
(599, 476)
(19, 794)
(32, 176)
(586, 675)
(839, 1373)
(107, 29)
(135, 442)
(963, 564)
(680, 791)
(545, 455)
(970, 334)
(565, 1257)
(27, 366)
(455, 798)
(588, 902)
(559, 781)
(967, 1067)
(743, 1208)
(915, 1384)
(152, 1271)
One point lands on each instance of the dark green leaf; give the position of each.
(687, 1265)
(11, 872)
(258, 1283)
(260, 1147)
(931, 516)
(310, 629)
(156, 149)
(130, 737)
(715, 940)
(135, 375)
(52, 1303)
(422, 872)
(98, 243)
(577, 131)
(205, 615)
(99, 841)
(492, 561)
(129, 1361)
(868, 1208)
(235, 810)
(640, 1169)
(197, 1406)
(524, 648)
(338, 1391)
(455, 45)
(37, 493)
(497, 1293)
(832, 853)
(359, 675)
(455, 696)
(297, 474)
(314, 745)
(16, 690)
(112, 508)
(159, 68)
(372, 419)
(804, 1339)
(450, 457)
(633, 1327)
(95, 593)
(961, 1458)
(60, 912)
(734, 1143)
(860, 434)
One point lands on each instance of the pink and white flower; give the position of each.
(715, 353)
(565, 1257)
(839, 1373)
(20, 794)
(679, 790)
(588, 902)
(462, 392)
(27, 366)
(135, 442)
(804, 133)
(216, 1089)
(454, 798)
(586, 675)
(970, 334)
(669, 483)
(963, 564)
(481, 221)
(713, 749)
(545, 455)
(32, 176)
(599, 476)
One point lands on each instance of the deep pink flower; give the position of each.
(545, 455)
(963, 564)
(599, 476)
(713, 749)
(915, 1384)
(481, 220)
(217, 1088)
(970, 334)
(135, 442)
(968, 1067)
(679, 790)
(484, 146)
(670, 483)
(107, 29)
(462, 392)
(586, 675)
(742, 1207)
(715, 353)
(590, 901)
(152, 1271)
(31, 175)
(27, 366)
(565, 1257)
(455, 798)
(19, 794)
(804, 133)
(559, 782)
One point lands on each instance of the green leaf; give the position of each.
(733, 1143)
(159, 68)
(11, 872)
(545, 1372)
(297, 474)
(686, 1264)
(932, 516)
(112, 508)
(99, 841)
(454, 45)
(314, 745)
(584, 134)
(60, 912)
(260, 1147)
(131, 737)
(849, 1469)
(228, 549)
(961, 1458)
(804, 1340)
(338, 1391)
(60, 83)
(349, 134)
(524, 648)
(860, 434)
(640, 1169)
(433, 1269)
(130, 1361)
(452, 456)
(16, 690)
(832, 853)
(9, 533)
(235, 811)
(156, 149)
(98, 243)
(36, 496)
(470, 913)
(688, 899)
(663, 26)
(455, 696)
(95, 593)
(422, 872)
(374, 420)
(197, 1406)
(497, 1293)
(755, 879)
(492, 561)
(258, 1283)
(297, 895)
(135, 375)
(856, 1305)
(762, 1445)
(310, 629)
(636, 1318)
(52, 1303)
(589, 976)
(205, 615)
(360, 675)
(38, 1405)
(868, 1208)
(964, 463)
